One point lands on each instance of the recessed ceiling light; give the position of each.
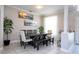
(39, 6)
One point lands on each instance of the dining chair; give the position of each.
(23, 39)
(49, 37)
(38, 39)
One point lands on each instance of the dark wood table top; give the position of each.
(35, 35)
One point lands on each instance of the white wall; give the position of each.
(60, 21)
(1, 26)
(37, 19)
(60, 24)
(18, 22)
(71, 22)
(12, 13)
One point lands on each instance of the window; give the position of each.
(50, 23)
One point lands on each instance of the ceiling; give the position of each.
(46, 10)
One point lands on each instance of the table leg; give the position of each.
(46, 42)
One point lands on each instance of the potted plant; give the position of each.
(7, 29)
(41, 29)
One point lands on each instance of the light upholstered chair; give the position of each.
(49, 36)
(23, 39)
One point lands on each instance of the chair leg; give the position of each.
(24, 45)
(34, 46)
(21, 43)
(37, 46)
(43, 43)
(52, 40)
(49, 41)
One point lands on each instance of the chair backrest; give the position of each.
(41, 37)
(36, 38)
(22, 34)
(49, 31)
(44, 36)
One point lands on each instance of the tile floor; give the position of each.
(15, 48)
(74, 49)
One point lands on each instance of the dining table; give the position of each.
(37, 39)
